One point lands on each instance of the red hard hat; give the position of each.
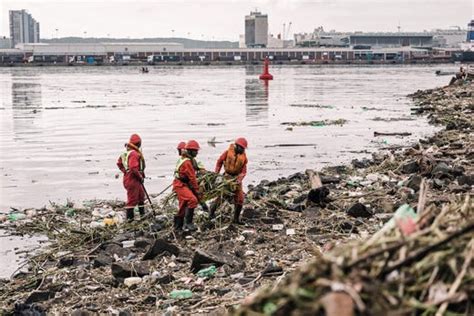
(242, 142)
(193, 145)
(181, 145)
(135, 139)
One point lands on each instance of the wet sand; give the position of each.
(62, 129)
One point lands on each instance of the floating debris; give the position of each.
(391, 134)
(316, 106)
(317, 123)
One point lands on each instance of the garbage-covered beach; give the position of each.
(394, 233)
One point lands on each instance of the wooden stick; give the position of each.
(425, 251)
(422, 197)
(457, 282)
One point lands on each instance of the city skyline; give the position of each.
(216, 21)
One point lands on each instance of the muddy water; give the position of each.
(63, 128)
(13, 251)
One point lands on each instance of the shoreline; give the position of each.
(263, 251)
(238, 63)
(395, 271)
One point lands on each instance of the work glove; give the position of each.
(239, 180)
(233, 186)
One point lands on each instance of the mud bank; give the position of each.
(92, 267)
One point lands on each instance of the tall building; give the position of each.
(256, 30)
(23, 28)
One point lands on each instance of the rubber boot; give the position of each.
(188, 220)
(141, 209)
(130, 214)
(178, 223)
(237, 211)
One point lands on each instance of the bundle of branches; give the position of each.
(216, 185)
(428, 271)
(213, 185)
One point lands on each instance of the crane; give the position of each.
(286, 31)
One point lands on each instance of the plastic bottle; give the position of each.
(207, 272)
(181, 294)
(13, 217)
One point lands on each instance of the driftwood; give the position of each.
(391, 134)
(318, 193)
(314, 179)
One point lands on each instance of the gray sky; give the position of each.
(224, 19)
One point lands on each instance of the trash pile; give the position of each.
(97, 262)
(427, 270)
(421, 261)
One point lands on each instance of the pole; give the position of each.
(149, 200)
(164, 190)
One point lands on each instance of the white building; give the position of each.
(97, 48)
(5, 42)
(449, 38)
(256, 30)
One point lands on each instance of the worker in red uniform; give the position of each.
(132, 164)
(180, 148)
(235, 161)
(186, 187)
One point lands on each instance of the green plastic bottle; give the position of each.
(181, 294)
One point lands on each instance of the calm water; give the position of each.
(62, 129)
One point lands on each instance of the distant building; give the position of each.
(320, 38)
(23, 28)
(470, 32)
(392, 39)
(256, 30)
(95, 49)
(278, 42)
(448, 38)
(5, 42)
(242, 41)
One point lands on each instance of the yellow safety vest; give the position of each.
(179, 163)
(125, 157)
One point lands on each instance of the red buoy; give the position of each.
(266, 75)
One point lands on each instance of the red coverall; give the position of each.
(239, 192)
(186, 197)
(132, 180)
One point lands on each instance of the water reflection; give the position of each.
(26, 103)
(256, 97)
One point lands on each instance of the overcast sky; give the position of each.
(224, 19)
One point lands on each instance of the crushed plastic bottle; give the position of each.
(70, 212)
(207, 272)
(13, 217)
(181, 294)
